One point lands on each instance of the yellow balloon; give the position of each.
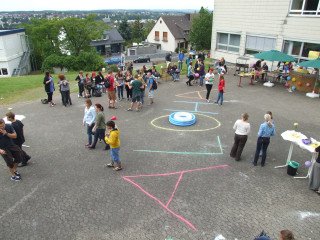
(293, 79)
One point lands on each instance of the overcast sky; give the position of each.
(27, 5)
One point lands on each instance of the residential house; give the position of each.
(171, 32)
(14, 53)
(246, 27)
(110, 44)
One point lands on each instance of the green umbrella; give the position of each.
(274, 55)
(312, 63)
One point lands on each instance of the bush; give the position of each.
(87, 61)
(113, 68)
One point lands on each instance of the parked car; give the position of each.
(142, 60)
(113, 60)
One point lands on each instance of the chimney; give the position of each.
(188, 16)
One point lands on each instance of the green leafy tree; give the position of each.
(137, 30)
(125, 30)
(147, 28)
(78, 33)
(43, 35)
(201, 29)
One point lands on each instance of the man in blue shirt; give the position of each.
(180, 58)
(266, 130)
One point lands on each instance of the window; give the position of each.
(165, 36)
(305, 7)
(255, 44)
(156, 36)
(4, 71)
(228, 42)
(299, 50)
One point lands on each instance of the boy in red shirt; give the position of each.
(221, 90)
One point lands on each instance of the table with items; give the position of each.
(309, 144)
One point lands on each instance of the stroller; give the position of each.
(97, 90)
(176, 75)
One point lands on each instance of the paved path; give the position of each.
(175, 184)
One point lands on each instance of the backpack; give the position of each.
(154, 85)
(44, 101)
(107, 83)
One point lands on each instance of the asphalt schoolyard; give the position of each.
(177, 183)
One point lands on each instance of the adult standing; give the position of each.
(180, 58)
(188, 60)
(128, 79)
(190, 74)
(202, 72)
(89, 119)
(314, 181)
(19, 140)
(120, 84)
(10, 152)
(151, 87)
(266, 130)
(242, 129)
(49, 87)
(99, 128)
(136, 93)
(80, 79)
(209, 82)
(168, 58)
(64, 90)
(111, 90)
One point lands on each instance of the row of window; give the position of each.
(254, 44)
(164, 36)
(305, 7)
(3, 71)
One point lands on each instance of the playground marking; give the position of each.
(196, 93)
(186, 153)
(165, 206)
(186, 130)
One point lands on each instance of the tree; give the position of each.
(201, 30)
(147, 28)
(78, 33)
(125, 30)
(43, 35)
(137, 30)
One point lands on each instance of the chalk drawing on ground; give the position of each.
(165, 205)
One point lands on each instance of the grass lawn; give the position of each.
(26, 88)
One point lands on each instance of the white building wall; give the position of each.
(260, 18)
(170, 45)
(11, 49)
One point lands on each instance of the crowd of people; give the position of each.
(136, 86)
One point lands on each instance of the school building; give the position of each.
(246, 27)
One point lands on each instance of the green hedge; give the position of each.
(86, 61)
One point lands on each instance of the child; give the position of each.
(221, 90)
(18, 128)
(112, 138)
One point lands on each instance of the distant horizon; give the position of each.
(96, 5)
(100, 10)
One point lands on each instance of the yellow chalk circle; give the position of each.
(185, 129)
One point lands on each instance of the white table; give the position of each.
(296, 139)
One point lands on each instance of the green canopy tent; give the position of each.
(273, 55)
(312, 64)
